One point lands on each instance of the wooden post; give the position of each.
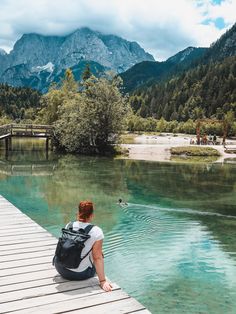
(6, 147)
(6, 143)
(47, 144)
(10, 144)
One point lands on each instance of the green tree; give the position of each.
(189, 127)
(56, 98)
(87, 73)
(228, 123)
(93, 120)
(151, 124)
(162, 125)
(69, 85)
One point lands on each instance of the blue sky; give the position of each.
(161, 27)
(219, 21)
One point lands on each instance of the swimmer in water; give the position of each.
(121, 203)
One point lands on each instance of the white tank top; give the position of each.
(96, 234)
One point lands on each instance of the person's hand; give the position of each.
(106, 286)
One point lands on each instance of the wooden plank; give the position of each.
(9, 209)
(9, 206)
(15, 221)
(17, 238)
(23, 256)
(27, 262)
(22, 231)
(22, 221)
(12, 225)
(9, 216)
(125, 305)
(7, 203)
(25, 269)
(27, 250)
(25, 240)
(10, 212)
(4, 220)
(58, 302)
(48, 290)
(29, 226)
(21, 278)
(38, 243)
(31, 284)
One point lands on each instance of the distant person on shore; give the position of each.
(92, 257)
(214, 139)
(204, 139)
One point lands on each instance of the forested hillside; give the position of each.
(148, 72)
(18, 102)
(209, 90)
(205, 90)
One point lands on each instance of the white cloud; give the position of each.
(226, 10)
(162, 27)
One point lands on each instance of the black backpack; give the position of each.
(70, 245)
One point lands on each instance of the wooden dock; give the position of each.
(30, 284)
(10, 131)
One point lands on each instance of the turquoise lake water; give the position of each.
(173, 247)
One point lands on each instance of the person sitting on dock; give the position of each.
(92, 261)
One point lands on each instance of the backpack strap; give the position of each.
(70, 226)
(88, 229)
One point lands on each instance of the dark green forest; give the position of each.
(208, 90)
(18, 103)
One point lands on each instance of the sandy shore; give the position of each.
(157, 148)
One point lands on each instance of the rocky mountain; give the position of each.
(38, 60)
(148, 72)
(187, 56)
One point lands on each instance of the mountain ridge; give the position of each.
(35, 50)
(207, 89)
(148, 72)
(224, 47)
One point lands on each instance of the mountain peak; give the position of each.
(53, 54)
(188, 54)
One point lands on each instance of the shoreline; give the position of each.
(157, 148)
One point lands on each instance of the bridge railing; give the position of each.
(26, 130)
(5, 129)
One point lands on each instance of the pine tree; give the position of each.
(87, 73)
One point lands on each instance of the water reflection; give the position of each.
(173, 247)
(27, 158)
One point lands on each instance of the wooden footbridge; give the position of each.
(9, 131)
(29, 283)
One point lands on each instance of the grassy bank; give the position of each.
(194, 151)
